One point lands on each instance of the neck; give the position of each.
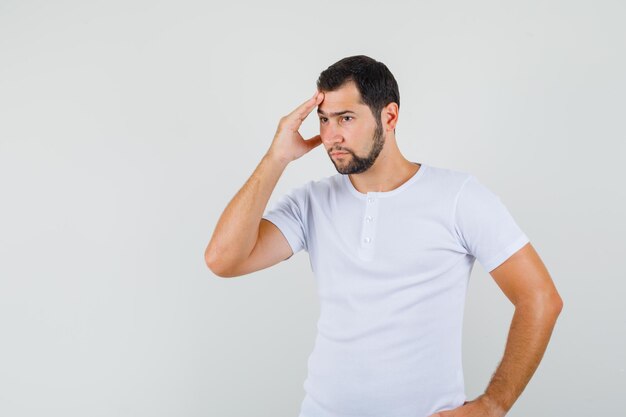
(390, 171)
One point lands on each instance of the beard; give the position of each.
(355, 164)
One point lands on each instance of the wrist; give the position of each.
(494, 407)
(274, 157)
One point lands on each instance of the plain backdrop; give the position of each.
(127, 126)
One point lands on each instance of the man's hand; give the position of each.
(480, 407)
(288, 144)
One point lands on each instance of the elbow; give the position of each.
(211, 261)
(553, 302)
(217, 270)
(546, 305)
(557, 304)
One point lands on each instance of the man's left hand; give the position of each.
(480, 407)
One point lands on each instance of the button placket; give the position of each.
(368, 230)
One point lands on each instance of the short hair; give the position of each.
(376, 84)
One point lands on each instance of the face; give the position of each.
(349, 126)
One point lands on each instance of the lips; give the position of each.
(338, 153)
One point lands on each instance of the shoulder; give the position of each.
(447, 180)
(324, 186)
(315, 189)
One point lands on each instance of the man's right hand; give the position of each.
(288, 144)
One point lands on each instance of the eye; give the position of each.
(322, 119)
(349, 117)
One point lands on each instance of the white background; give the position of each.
(127, 126)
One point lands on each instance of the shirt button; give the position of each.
(370, 199)
(368, 219)
(367, 240)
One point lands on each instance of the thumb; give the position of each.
(313, 142)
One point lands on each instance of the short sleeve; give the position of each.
(484, 225)
(288, 214)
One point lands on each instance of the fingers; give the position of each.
(303, 110)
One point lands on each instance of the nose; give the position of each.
(331, 135)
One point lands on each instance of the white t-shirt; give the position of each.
(392, 270)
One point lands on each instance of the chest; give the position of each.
(377, 233)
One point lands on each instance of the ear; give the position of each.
(389, 116)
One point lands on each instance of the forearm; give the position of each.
(237, 229)
(529, 333)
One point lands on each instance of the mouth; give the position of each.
(338, 153)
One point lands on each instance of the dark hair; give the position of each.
(375, 82)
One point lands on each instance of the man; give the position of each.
(392, 244)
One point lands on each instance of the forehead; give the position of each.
(345, 98)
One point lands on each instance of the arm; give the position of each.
(525, 280)
(238, 228)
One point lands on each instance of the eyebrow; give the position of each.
(338, 113)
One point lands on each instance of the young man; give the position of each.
(392, 244)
